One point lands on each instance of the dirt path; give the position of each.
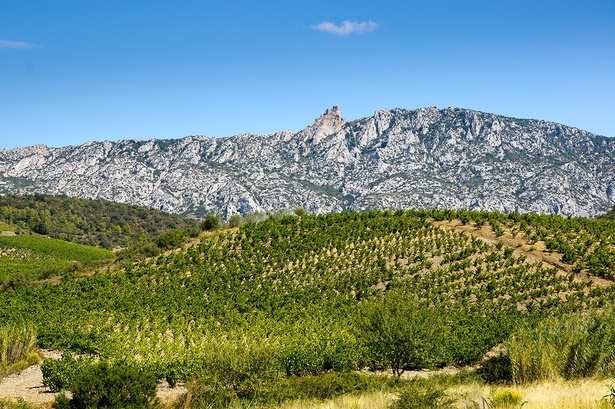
(28, 385)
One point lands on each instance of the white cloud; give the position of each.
(347, 27)
(16, 45)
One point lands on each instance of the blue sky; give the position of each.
(74, 71)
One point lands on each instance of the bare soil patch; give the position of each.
(534, 252)
(28, 385)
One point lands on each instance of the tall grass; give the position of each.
(16, 342)
(572, 347)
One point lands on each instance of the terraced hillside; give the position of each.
(300, 284)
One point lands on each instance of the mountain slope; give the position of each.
(92, 222)
(449, 158)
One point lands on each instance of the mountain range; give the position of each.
(423, 158)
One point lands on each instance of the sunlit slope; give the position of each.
(38, 257)
(98, 223)
(298, 285)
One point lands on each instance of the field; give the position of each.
(38, 257)
(311, 295)
(585, 394)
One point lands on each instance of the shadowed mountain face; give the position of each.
(424, 158)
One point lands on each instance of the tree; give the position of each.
(211, 222)
(401, 333)
(300, 211)
(235, 221)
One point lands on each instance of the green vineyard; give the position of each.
(309, 295)
(37, 257)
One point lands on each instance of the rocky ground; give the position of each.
(28, 385)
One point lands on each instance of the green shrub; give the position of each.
(59, 374)
(496, 369)
(423, 395)
(233, 372)
(506, 399)
(31, 358)
(118, 386)
(211, 222)
(330, 385)
(15, 404)
(567, 347)
(401, 333)
(235, 221)
(61, 401)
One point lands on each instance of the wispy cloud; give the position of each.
(16, 45)
(346, 28)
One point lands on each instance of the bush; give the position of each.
(401, 333)
(496, 369)
(329, 385)
(59, 374)
(423, 395)
(15, 404)
(506, 399)
(108, 386)
(233, 372)
(211, 222)
(235, 221)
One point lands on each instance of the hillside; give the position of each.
(300, 281)
(93, 222)
(275, 302)
(24, 259)
(424, 158)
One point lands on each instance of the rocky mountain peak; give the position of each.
(422, 158)
(328, 123)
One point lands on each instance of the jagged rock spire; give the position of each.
(328, 123)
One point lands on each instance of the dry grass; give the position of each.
(375, 400)
(584, 394)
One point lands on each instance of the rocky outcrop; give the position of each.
(429, 157)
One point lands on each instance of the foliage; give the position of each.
(568, 347)
(27, 258)
(609, 398)
(302, 286)
(235, 221)
(150, 247)
(233, 372)
(277, 390)
(329, 385)
(423, 395)
(402, 334)
(93, 222)
(496, 369)
(300, 211)
(120, 386)
(15, 404)
(60, 374)
(506, 399)
(7, 227)
(211, 222)
(18, 348)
